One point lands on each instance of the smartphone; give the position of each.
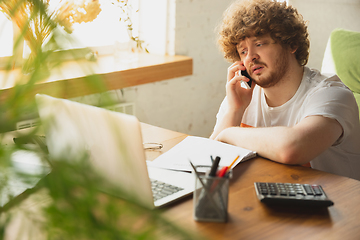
(245, 74)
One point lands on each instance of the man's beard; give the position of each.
(276, 75)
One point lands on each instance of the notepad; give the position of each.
(199, 150)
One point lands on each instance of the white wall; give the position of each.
(324, 16)
(188, 104)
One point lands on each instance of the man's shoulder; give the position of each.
(315, 75)
(315, 80)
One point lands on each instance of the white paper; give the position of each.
(198, 150)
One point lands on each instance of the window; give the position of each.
(157, 25)
(6, 36)
(106, 29)
(101, 34)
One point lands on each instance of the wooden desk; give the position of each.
(250, 219)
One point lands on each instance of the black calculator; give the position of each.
(294, 194)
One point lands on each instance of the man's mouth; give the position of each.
(257, 69)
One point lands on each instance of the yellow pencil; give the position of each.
(232, 163)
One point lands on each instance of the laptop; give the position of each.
(113, 142)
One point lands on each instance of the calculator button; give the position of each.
(283, 193)
(273, 192)
(317, 190)
(272, 188)
(264, 191)
(308, 189)
(272, 185)
(292, 193)
(299, 191)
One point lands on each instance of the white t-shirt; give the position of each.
(316, 95)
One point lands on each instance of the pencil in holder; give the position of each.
(211, 197)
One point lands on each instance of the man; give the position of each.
(291, 114)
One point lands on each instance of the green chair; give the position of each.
(342, 56)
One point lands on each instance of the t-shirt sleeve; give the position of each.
(336, 102)
(222, 110)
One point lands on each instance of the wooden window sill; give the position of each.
(107, 73)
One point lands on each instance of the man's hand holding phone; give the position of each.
(246, 84)
(239, 87)
(238, 98)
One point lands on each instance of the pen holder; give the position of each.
(211, 197)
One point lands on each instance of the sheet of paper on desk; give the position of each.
(199, 150)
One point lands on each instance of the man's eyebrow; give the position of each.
(259, 38)
(239, 45)
(252, 39)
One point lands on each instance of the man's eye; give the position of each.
(259, 44)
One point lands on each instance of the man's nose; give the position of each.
(252, 55)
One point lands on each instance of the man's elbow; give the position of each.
(288, 158)
(291, 156)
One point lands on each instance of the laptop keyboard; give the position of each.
(161, 189)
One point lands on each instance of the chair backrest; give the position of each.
(342, 56)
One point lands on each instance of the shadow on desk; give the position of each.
(279, 211)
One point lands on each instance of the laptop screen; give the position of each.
(111, 140)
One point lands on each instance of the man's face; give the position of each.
(265, 60)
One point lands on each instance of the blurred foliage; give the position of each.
(67, 203)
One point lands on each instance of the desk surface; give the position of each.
(250, 219)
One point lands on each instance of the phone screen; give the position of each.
(245, 74)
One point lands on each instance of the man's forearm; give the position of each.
(267, 142)
(280, 144)
(290, 145)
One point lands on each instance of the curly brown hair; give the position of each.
(248, 18)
